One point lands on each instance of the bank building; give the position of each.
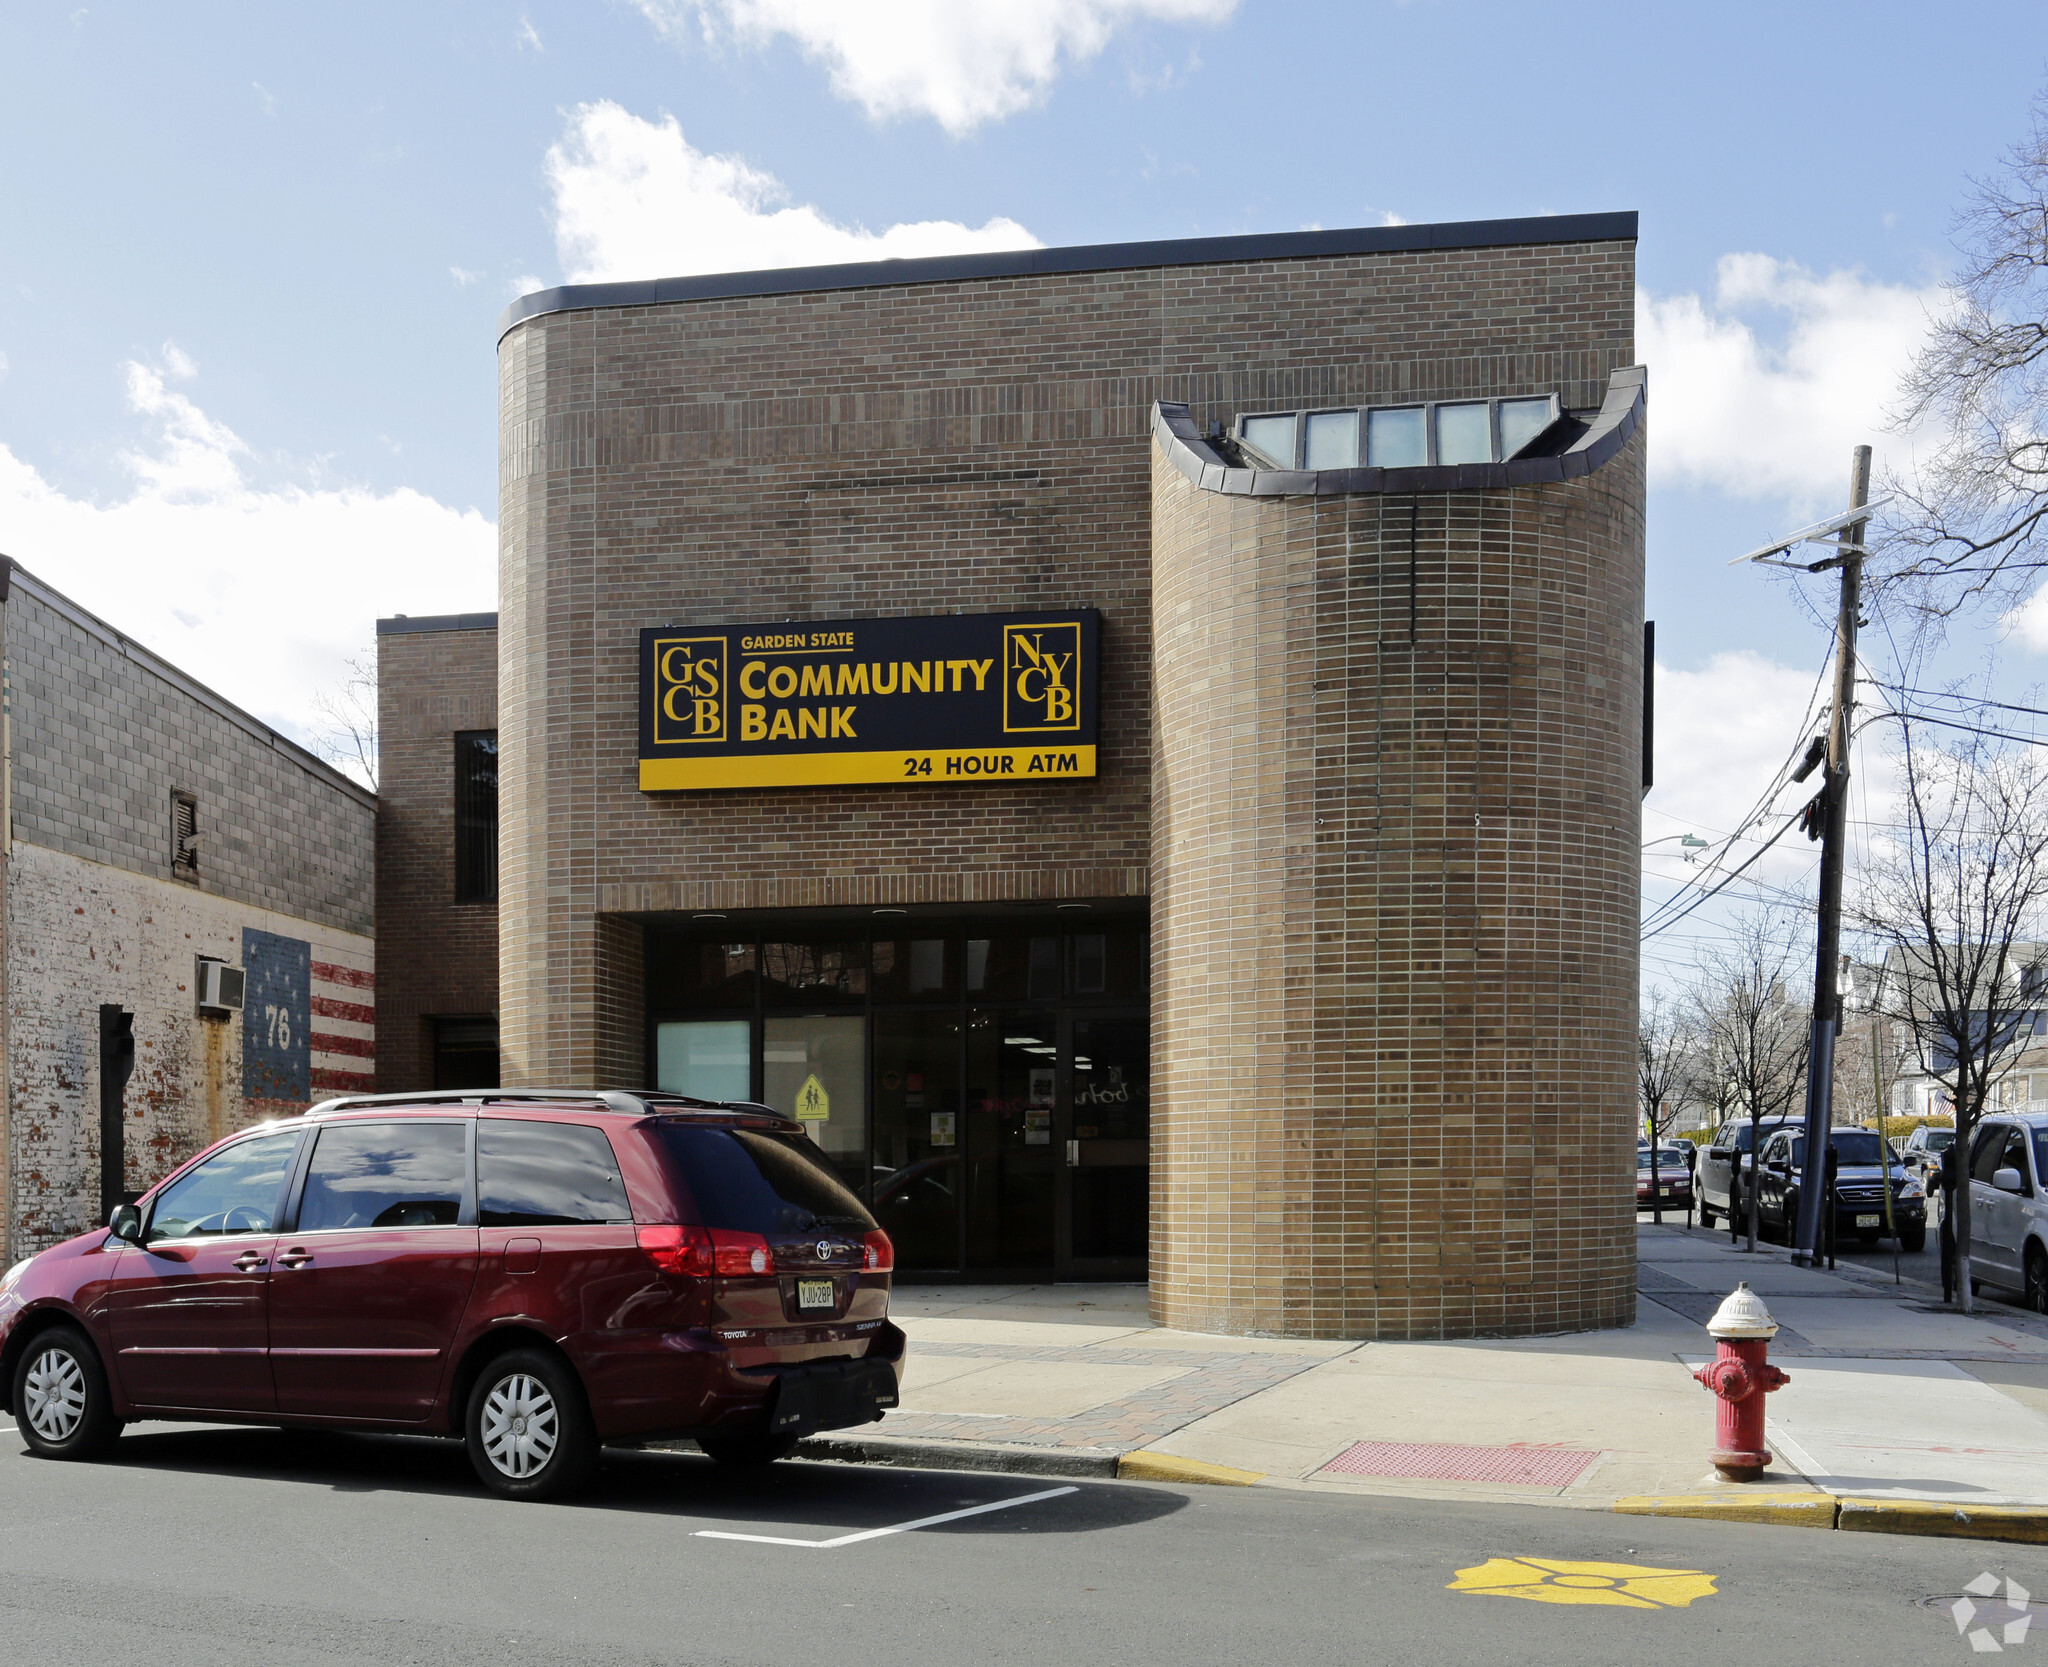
(1138, 748)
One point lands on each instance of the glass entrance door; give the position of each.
(1012, 1104)
(1107, 1132)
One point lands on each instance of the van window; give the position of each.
(546, 1175)
(237, 1190)
(761, 1181)
(1985, 1153)
(410, 1174)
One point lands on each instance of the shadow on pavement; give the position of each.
(811, 1498)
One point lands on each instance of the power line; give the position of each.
(1652, 931)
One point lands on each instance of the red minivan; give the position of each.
(537, 1272)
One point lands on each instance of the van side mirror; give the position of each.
(2008, 1180)
(124, 1221)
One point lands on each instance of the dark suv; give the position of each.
(538, 1273)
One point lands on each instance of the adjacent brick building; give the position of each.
(1358, 516)
(150, 825)
(437, 923)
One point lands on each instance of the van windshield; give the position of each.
(761, 1181)
(1852, 1146)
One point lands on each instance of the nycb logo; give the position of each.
(689, 689)
(1041, 677)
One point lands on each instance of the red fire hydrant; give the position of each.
(1741, 1377)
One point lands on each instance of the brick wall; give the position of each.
(1395, 908)
(436, 956)
(943, 447)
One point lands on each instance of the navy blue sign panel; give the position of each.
(277, 1017)
(954, 698)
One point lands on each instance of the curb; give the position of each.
(1797, 1509)
(2027, 1524)
(1143, 1466)
(998, 1457)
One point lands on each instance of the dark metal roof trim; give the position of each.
(1620, 414)
(1094, 257)
(399, 624)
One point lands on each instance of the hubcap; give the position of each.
(520, 1426)
(55, 1393)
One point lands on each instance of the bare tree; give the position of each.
(346, 735)
(1955, 899)
(1970, 522)
(1663, 1043)
(1756, 1034)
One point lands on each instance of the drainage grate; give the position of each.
(1548, 1467)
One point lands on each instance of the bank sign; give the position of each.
(963, 698)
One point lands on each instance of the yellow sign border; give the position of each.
(851, 769)
(724, 691)
(1073, 625)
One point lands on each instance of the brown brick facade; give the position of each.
(1396, 832)
(972, 445)
(442, 955)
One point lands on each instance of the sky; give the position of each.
(252, 256)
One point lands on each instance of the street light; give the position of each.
(1687, 842)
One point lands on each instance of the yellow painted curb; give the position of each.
(1783, 1510)
(1166, 1467)
(2027, 1524)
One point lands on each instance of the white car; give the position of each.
(2008, 1207)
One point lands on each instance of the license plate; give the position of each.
(814, 1293)
(1870, 1221)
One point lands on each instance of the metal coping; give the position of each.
(1093, 257)
(399, 624)
(643, 1103)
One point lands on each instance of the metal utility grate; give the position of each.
(1550, 1467)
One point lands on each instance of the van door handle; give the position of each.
(249, 1261)
(295, 1259)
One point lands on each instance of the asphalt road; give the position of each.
(209, 1546)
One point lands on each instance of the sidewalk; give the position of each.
(1897, 1409)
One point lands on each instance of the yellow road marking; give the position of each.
(1618, 1585)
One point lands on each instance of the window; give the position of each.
(815, 1068)
(754, 1181)
(1272, 438)
(184, 836)
(476, 816)
(1400, 437)
(1332, 440)
(410, 1174)
(710, 1059)
(465, 1052)
(2016, 1158)
(234, 1191)
(1395, 439)
(546, 1175)
(1985, 1153)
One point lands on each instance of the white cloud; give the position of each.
(3, 366)
(1773, 414)
(261, 594)
(462, 276)
(526, 37)
(266, 99)
(1721, 733)
(633, 199)
(960, 62)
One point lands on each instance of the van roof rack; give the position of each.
(638, 1103)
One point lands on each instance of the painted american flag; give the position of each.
(344, 1029)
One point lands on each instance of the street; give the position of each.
(204, 1545)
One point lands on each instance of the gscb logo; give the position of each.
(689, 689)
(1042, 677)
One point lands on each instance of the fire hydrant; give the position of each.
(1741, 1376)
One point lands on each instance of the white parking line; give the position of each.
(878, 1533)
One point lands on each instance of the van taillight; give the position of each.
(739, 1252)
(881, 1254)
(685, 1250)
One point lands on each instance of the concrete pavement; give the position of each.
(1892, 1398)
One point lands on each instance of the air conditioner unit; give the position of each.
(220, 987)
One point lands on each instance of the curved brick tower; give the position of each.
(1396, 778)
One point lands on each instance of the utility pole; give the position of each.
(1833, 807)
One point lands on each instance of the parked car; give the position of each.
(1715, 1178)
(1672, 1177)
(535, 1273)
(2008, 1207)
(1864, 1165)
(1922, 1152)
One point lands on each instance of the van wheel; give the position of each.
(1706, 1216)
(747, 1451)
(61, 1403)
(2037, 1279)
(528, 1428)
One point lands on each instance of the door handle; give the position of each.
(249, 1261)
(295, 1259)
(1073, 1154)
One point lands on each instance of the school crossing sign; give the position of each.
(951, 699)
